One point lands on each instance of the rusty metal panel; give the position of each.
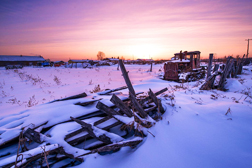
(171, 71)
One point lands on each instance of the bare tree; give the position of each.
(100, 55)
(122, 58)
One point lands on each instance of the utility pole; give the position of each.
(248, 47)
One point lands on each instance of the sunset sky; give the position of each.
(78, 29)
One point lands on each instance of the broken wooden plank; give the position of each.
(137, 106)
(119, 103)
(79, 139)
(149, 98)
(33, 135)
(126, 78)
(208, 85)
(104, 108)
(156, 101)
(102, 120)
(34, 154)
(209, 65)
(97, 133)
(71, 97)
(132, 143)
(83, 129)
(150, 109)
(114, 147)
(87, 103)
(226, 71)
(237, 67)
(241, 65)
(106, 92)
(4, 142)
(216, 67)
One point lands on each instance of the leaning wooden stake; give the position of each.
(104, 108)
(156, 101)
(138, 106)
(240, 65)
(226, 71)
(209, 65)
(119, 103)
(126, 77)
(157, 93)
(216, 67)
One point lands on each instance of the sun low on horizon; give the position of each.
(62, 30)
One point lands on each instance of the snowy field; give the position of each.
(210, 129)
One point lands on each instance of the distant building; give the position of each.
(144, 61)
(20, 60)
(113, 60)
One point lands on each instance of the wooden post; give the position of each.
(126, 78)
(151, 67)
(237, 67)
(191, 61)
(240, 66)
(216, 67)
(209, 65)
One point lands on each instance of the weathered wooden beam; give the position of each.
(161, 91)
(113, 147)
(119, 103)
(87, 136)
(150, 109)
(71, 97)
(156, 101)
(102, 120)
(132, 143)
(208, 85)
(157, 93)
(33, 135)
(90, 130)
(35, 154)
(237, 67)
(146, 124)
(102, 136)
(104, 108)
(126, 78)
(241, 65)
(83, 129)
(137, 106)
(191, 61)
(87, 103)
(226, 71)
(209, 65)
(74, 133)
(106, 92)
(216, 67)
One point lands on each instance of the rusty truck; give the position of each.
(183, 67)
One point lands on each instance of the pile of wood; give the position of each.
(125, 123)
(232, 68)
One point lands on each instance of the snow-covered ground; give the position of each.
(202, 129)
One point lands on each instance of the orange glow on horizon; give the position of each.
(132, 29)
